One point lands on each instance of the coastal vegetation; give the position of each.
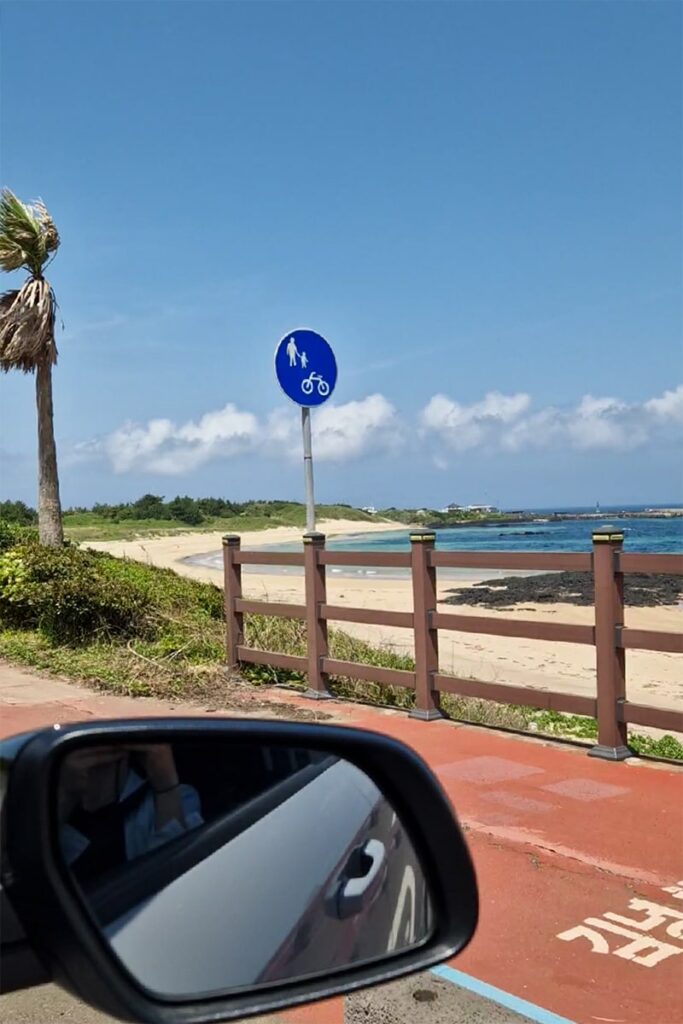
(156, 515)
(434, 519)
(132, 628)
(17, 512)
(153, 515)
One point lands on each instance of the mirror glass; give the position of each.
(211, 865)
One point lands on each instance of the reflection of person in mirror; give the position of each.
(116, 803)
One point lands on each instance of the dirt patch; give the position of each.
(225, 693)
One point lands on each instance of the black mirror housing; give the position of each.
(65, 934)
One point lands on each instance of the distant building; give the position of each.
(453, 507)
(370, 509)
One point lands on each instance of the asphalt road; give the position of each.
(420, 999)
(570, 853)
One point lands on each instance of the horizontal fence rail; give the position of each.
(373, 673)
(607, 563)
(277, 608)
(550, 561)
(573, 704)
(668, 565)
(643, 714)
(289, 661)
(268, 558)
(523, 628)
(371, 616)
(373, 559)
(650, 640)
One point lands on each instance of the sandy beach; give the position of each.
(652, 677)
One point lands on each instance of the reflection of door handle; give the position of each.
(357, 893)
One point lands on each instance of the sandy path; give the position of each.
(652, 677)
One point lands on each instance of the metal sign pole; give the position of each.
(306, 370)
(308, 468)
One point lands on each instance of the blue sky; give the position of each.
(478, 204)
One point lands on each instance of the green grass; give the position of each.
(132, 628)
(187, 661)
(104, 666)
(89, 526)
(554, 723)
(171, 667)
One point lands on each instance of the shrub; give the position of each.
(165, 590)
(12, 533)
(74, 595)
(62, 592)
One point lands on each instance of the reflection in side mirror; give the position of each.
(210, 865)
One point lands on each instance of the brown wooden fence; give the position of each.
(607, 562)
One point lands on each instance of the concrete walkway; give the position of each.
(580, 862)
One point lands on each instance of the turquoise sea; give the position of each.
(652, 535)
(647, 535)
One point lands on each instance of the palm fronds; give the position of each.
(27, 326)
(27, 234)
(27, 315)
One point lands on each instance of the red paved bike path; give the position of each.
(557, 837)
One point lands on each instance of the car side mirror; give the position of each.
(193, 870)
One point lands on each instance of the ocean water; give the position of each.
(650, 535)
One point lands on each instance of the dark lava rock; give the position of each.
(640, 590)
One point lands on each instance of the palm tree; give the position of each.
(28, 237)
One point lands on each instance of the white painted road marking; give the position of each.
(657, 915)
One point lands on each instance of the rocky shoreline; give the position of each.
(640, 590)
(530, 518)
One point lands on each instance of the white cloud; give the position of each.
(372, 424)
(604, 423)
(283, 429)
(469, 426)
(668, 406)
(161, 446)
(340, 432)
(351, 430)
(505, 422)
(537, 430)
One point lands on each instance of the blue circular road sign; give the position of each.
(306, 368)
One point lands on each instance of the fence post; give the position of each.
(316, 628)
(426, 637)
(232, 577)
(609, 655)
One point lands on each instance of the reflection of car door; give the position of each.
(396, 918)
(274, 881)
(277, 865)
(392, 915)
(324, 936)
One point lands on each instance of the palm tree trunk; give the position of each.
(49, 505)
